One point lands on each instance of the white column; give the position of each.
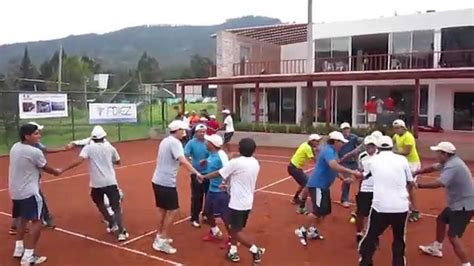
(436, 47)
(299, 105)
(431, 102)
(354, 105)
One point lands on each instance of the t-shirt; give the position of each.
(25, 167)
(390, 173)
(243, 172)
(197, 150)
(101, 168)
(40, 146)
(371, 107)
(407, 139)
(229, 124)
(215, 162)
(303, 154)
(457, 178)
(212, 127)
(167, 163)
(389, 103)
(352, 144)
(86, 141)
(367, 184)
(323, 176)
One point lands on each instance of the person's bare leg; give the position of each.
(20, 230)
(34, 234)
(168, 220)
(440, 230)
(161, 219)
(238, 236)
(459, 249)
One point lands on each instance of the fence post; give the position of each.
(163, 120)
(119, 133)
(72, 120)
(151, 109)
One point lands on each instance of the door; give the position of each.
(273, 105)
(463, 111)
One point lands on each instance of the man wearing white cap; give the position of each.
(305, 152)
(103, 180)
(456, 178)
(196, 149)
(228, 128)
(405, 144)
(319, 184)
(170, 156)
(391, 176)
(212, 125)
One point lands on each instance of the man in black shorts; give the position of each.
(456, 178)
(170, 156)
(228, 128)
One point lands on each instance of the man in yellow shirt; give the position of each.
(405, 145)
(304, 153)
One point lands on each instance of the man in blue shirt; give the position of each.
(196, 149)
(350, 162)
(326, 171)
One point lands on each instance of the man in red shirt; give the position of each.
(371, 108)
(389, 103)
(212, 125)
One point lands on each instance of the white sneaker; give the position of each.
(301, 234)
(431, 250)
(123, 236)
(195, 224)
(112, 229)
(35, 260)
(165, 247)
(18, 253)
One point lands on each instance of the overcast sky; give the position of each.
(32, 20)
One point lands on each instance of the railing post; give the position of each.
(257, 102)
(328, 103)
(416, 112)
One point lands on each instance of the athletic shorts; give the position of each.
(371, 118)
(166, 198)
(112, 193)
(238, 219)
(29, 209)
(228, 137)
(414, 167)
(298, 174)
(364, 203)
(217, 204)
(321, 199)
(457, 221)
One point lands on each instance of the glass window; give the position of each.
(401, 48)
(323, 48)
(340, 53)
(457, 45)
(422, 56)
(288, 105)
(321, 104)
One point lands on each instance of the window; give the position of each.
(321, 104)
(422, 56)
(288, 105)
(332, 54)
(457, 46)
(401, 50)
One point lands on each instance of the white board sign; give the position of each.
(109, 113)
(42, 105)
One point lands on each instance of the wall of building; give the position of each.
(294, 51)
(444, 101)
(423, 21)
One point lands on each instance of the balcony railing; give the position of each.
(418, 60)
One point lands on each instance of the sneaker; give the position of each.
(210, 236)
(12, 230)
(195, 224)
(431, 250)
(346, 204)
(112, 229)
(414, 216)
(234, 257)
(302, 235)
(165, 247)
(123, 236)
(18, 253)
(257, 257)
(313, 233)
(302, 211)
(33, 260)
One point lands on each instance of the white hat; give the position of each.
(40, 127)
(98, 132)
(399, 123)
(445, 146)
(314, 137)
(215, 139)
(385, 142)
(336, 135)
(376, 134)
(226, 111)
(212, 117)
(186, 113)
(345, 125)
(200, 127)
(176, 125)
(370, 140)
(373, 97)
(203, 119)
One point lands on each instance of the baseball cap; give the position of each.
(200, 127)
(370, 140)
(445, 146)
(212, 117)
(215, 139)
(336, 135)
(376, 134)
(226, 111)
(176, 125)
(203, 119)
(384, 142)
(399, 123)
(40, 127)
(314, 137)
(98, 132)
(345, 125)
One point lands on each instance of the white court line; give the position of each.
(353, 204)
(134, 251)
(187, 218)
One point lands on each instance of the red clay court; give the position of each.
(81, 239)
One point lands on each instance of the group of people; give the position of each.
(223, 188)
(387, 169)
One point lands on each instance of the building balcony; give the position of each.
(417, 60)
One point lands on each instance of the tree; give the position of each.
(94, 66)
(27, 71)
(148, 69)
(200, 66)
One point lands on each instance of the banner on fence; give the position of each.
(112, 113)
(42, 105)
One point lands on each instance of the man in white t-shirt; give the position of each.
(170, 156)
(392, 178)
(241, 174)
(103, 181)
(228, 128)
